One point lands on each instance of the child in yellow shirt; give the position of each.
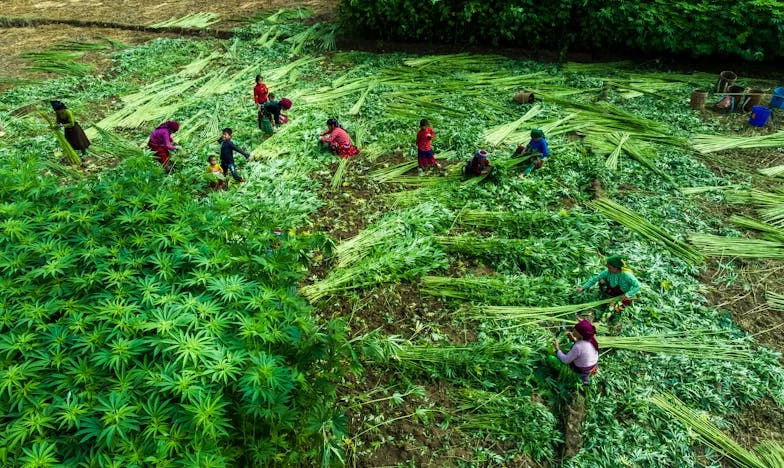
(216, 172)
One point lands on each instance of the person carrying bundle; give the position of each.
(583, 358)
(424, 148)
(71, 129)
(478, 165)
(161, 142)
(337, 139)
(538, 150)
(616, 280)
(227, 150)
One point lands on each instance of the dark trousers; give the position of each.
(230, 168)
(613, 292)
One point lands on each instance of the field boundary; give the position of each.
(17, 22)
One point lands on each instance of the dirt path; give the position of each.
(146, 12)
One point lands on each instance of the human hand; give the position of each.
(557, 346)
(570, 336)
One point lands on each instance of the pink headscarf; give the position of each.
(587, 331)
(285, 103)
(170, 125)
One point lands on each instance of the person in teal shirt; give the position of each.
(616, 280)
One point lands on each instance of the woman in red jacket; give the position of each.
(260, 92)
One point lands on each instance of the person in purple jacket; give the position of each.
(583, 358)
(161, 142)
(538, 149)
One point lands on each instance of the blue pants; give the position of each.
(230, 168)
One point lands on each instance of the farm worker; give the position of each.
(478, 165)
(424, 149)
(216, 173)
(583, 358)
(338, 140)
(161, 142)
(71, 128)
(227, 150)
(616, 280)
(260, 92)
(538, 149)
(273, 109)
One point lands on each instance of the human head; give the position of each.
(170, 125)
(615, 263)
(212, 160)
(258, 79)
(424, 123)
(332, 123)
(227, 133)
(271, 96)
(481, 154)
(285, 103)
(584, 330)
(57, 106)
(536, 133)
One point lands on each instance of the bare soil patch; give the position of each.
(147, 12)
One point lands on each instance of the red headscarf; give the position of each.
(285, 103)
(587, 331)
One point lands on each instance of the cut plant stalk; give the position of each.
(707, 432)
(712, 143)
(718, 246)
(196, 20)
(690, 344)
(535, 315)
(639, 224)
(68, 152)
(337, 179)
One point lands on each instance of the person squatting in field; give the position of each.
(227, 149)
(616, 280)
(538, 150)
(478, 165)
(338, 140)
(161, 142)
(424, 139)
(71, 129)
(583, 358)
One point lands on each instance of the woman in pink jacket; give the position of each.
(161, 142)
(583, 358)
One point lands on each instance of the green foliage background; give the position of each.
(752, 29)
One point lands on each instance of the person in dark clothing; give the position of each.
(71, 128)
(478, 165)
(273, 108)
(227, 150)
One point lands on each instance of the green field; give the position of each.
(330, 313)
